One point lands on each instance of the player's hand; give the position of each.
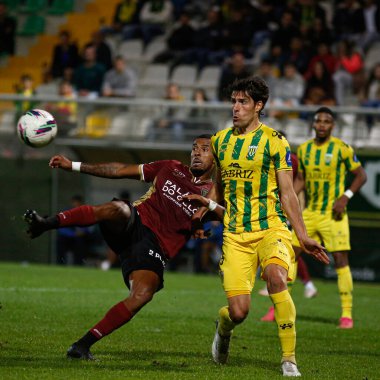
(197, 200)
(315, 249)
(339, 207)
(197, 230)
(60, 162)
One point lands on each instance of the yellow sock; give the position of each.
(226, 325)
(285, 314)
(345, 287)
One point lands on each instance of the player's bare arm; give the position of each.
(201, 201)
(360, 178)
(105, 170)
(299, 183)
(291, 206)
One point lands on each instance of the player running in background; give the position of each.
(254, 166)
(145, 234)
(323, 164)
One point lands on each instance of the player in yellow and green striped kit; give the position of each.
(254, 168)
(323, 164)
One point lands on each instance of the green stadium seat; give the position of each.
(32, 26)
(60, 7)
(33, 6)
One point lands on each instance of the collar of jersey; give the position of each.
(235, 131)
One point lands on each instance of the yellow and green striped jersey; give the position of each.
(248, 165)
(324, 168)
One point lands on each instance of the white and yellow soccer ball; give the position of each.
(36, 128)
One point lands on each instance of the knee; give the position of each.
(276, 281)
(238, 314)
(142, 296)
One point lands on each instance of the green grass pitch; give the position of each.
(44, 309)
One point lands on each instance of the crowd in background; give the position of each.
(314, 50)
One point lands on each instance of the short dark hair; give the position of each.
(325, 110)
(254, 86)
(204, 136)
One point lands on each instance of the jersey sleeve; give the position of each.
(148, 172)
(349, 158)
(214, 148)
(280, 153)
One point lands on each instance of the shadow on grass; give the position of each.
(141, 360)
(309, 318)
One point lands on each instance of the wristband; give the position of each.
(75, 166)
(212, 205)
(348, 193)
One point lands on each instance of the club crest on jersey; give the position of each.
(251, 151)
(328, 158)
(223, 147)
(204, 192)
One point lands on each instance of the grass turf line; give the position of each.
(44, 309)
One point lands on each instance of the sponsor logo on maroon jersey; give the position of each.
(174, 192)
(177, 173)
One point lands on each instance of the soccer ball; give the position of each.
(36, 128)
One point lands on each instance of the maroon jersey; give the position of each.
(163, 209)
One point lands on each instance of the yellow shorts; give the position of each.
(335, 234)
(243, 253)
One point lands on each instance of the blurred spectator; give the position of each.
(120, 81)
(88, 77)
(209, 251)
(179, 41)
(238, 31)
(306, 12)
(65, 56)
(73, 243)
(348, 20)
(262, 16)
(154, 16)
(319, 33)
(267, 72)
(126, 13)
(286, 31)
(372, 93)
(200, 117)
(208, 41)
(323, 55)
(288, 90)
(235, 69)
(8, 28)
(322, 79)
(65, 113)
(103, 51)
(25, 88)
(297, 53)
(349, 74)
(372, 23)
(171, 124)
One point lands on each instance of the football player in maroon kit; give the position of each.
(145, 234)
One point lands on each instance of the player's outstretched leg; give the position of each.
(37, 225)
(144, 285)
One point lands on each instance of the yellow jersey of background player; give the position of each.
(324, 168)
(247, 166)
